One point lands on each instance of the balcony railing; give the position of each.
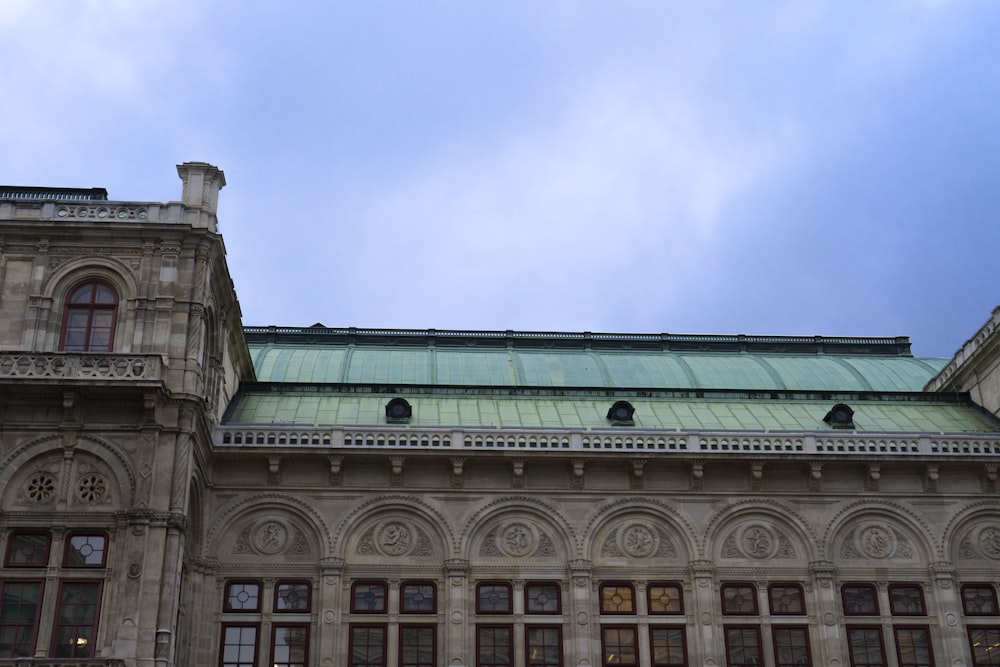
(81, 366)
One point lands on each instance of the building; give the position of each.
(178, 489)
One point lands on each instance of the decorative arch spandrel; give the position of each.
(874, 533)
(634, 531)
(758, 531)
(517, 529)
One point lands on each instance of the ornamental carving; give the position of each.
(40, 487)
(876, 541)
(757, 541)
(395, 538)
(638, 540)
(269, 538)
(91, 488)
(981, 543)
(517, 539)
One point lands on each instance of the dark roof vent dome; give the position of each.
(398, 411)
(621, 413)
(840, 416)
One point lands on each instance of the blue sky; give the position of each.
(716, 167)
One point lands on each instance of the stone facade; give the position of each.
(144, 524)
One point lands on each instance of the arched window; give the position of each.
(89, 318)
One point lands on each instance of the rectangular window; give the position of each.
(19, 604)
(859, 600)
(619, 646)
(239, 646)
(865, 647)
(668, 646)
(665, 599)
(242, 596)
(493, 599)
(292, 596)
(617, 599)
(743, 647)
(368, 597)
(542, 598)
(290, 646)
(913, 646)
(494, 646)
(985, 644)
(543, 645)
(979, 600)
(28, 550)
(75, 631)
(417, 598)
(791, 646)
(739, 599)
(786, 599)
(367, 647)
(906, 600)
(85, 551)
(417, 645)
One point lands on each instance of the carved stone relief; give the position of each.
(395, 538)
(270, 537)
(517, 539)
(981, 543)
(759, 541)
(877, 541)
(638, 540)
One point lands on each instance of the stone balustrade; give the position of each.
(81, 366)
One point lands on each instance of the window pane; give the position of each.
(616, 599)
(367, 646)
(242, 596)
(542, 598)
(76, 619)
(291, 596)
(290, 646)
(979, 600)
(544, 646)
(743, 647)
(913, 647)
(668, 646)
(85, 551)
(28, 550)
(619, 646)
(859, 600)
(866, 647)
(416, 646)
(494, 599)
(82, 294)
(740, 599)
(417, 598)
(494, 646)
(19, 603)
(906, 600)
(239, 646)
(985, 643)
(665, 599)
(104, 294)
(786, 599)
(368, 597)
(791, 647)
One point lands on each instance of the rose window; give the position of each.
(41, 487)
(91, 488)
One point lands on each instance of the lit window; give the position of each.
(75, 631)
(743, 647)
(28, 550)
(668, 647)
(985, 644)
(89, 318)
(417, 598)
(239, 646)
(619, 646)
(617, 599)
(19, 606)
(242, 596)
(85, 551)
(542, 598)
(493, 598)
(739, 599)
(368, 597)
(979, 600)
(543, 644)
(665, 599)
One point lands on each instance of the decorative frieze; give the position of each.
(73, 366)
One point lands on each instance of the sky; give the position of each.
(771, 167)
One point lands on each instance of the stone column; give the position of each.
(708, 648)
(826, 605)
(945, 602)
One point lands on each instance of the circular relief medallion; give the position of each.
(582, 618)
(637, 541)
(395, 538)
(758, 541)
(989, 542)
(40, 487)
(270, 538)
(518, 539)
(877, 541)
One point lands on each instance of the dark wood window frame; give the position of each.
(228, 596)
(88, 309)
(304, 662)
(531, 661)
(222, 644)
(678, 589)
(755, 629)
(17, 649)
(859, 586)
(404, 603)
(728, 610)
(877, 629)
(774, 603)
(384, 603)
(981, 589)
(306, 606)
(58, 650)
(775, 632)
(352, 644)
(12, 539)
(501, 585)
(896, 611)
(528, 596)
(433, 629)
(611, 590)
(609, 659)
(86, 549)
(509, 644)
(682, 629)
(992, 657)
(929, 647)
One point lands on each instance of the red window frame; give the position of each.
(981, 646)
(226, 659)
(87, 542)
(899, 631)
(778, 594)
(371, 641)
(81, 314)
(12, 540)
(617, 599)
(979, 590)
(853, 589)
(614, 639)
(482, 648)
(896, 599)
(657, 606)
(12, 625)
(426, 632)
(229, 593)
(755, 658)
(491, 587)
(84, 644)
(671, 657)
(871, 631)
(414, 601)
(302, 591)
(380, 601)
(287, 658)
(728, 603)
(544, 657)
(778, 633)
(546, 589)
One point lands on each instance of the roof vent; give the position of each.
(398, 411)
(621, 413)
(840, 416)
